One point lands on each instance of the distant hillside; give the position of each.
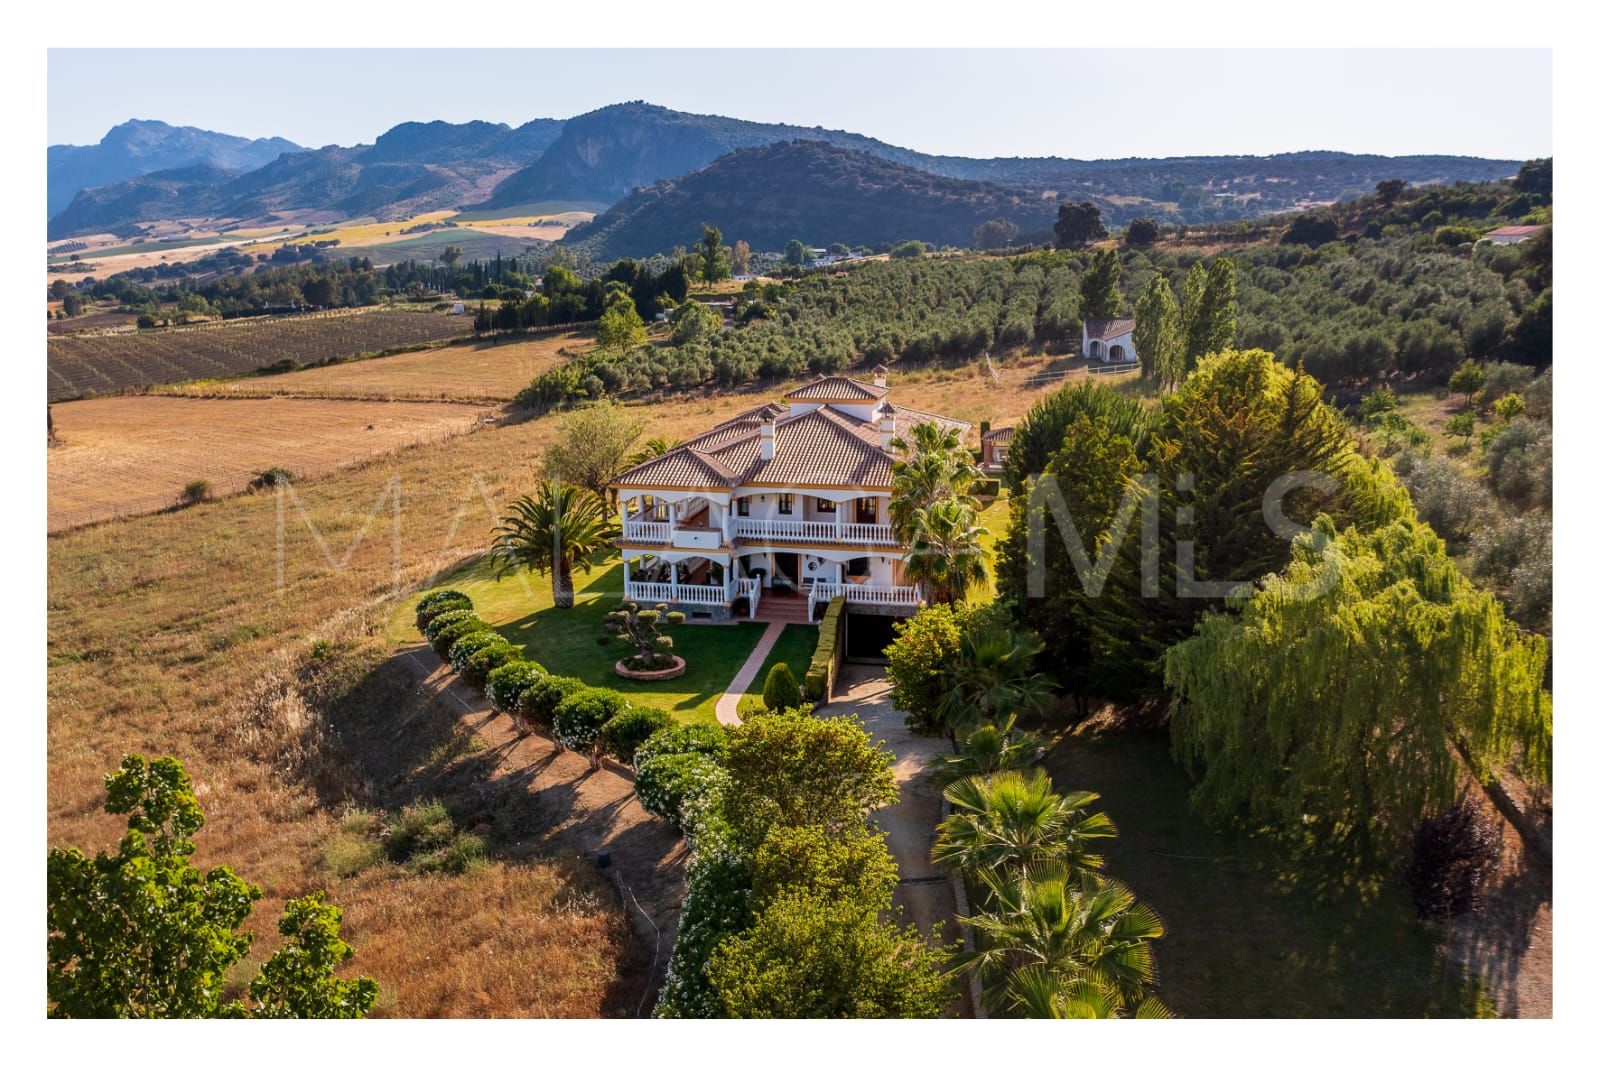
(605, 154)
(415, 166)
(139, 147)
(811, 190)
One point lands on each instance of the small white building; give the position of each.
(1109, 340)
(1511, 234)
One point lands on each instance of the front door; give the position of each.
(787, 565)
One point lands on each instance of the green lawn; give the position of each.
(1245, 938)
(564, 641)
(995, 518)
(795, 646)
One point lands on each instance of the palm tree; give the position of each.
(947, 551)
(1040, 992)
(1091, 932)
(993, 673)
(652, 449)
(989, 749)
(556, 529)
(1011, 822)
(937, 467)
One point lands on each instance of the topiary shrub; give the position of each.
(444, 618)
(698, 738)
(1451, 855)
(446, 636)
(483, 662)
(505, 685)
(668, 784)
(623, 734)
(540, 699)
(580, 717)
(468, 643)
(781, 692)
(438, 602)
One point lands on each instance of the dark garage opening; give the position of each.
(866, 635)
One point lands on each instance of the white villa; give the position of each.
(1109, 340)
(776, 510)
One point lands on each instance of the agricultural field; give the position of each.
(480, 371)
(130, 455)
(110, 362)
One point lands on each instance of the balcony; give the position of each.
(792, 531)
(652, 592)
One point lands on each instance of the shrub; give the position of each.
(1379, 401)
(468, 643)
(1451, 854)
(465, 852)
(908, 250)
(1461, 425)
(486, 660)
(623, 734)
(781, 692)
(1502, 378)
(271, 478)
(1509, 406)
(422, 826)
(819, 678)
(439, 601)
(580, 717)
(540, 699)
(698, 738)
(507, 683)
(1467, 379)
(447, 636)
(667, 783)
(445, 618)
(922, 657)
(196, 491)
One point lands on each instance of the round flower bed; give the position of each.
(665, 674)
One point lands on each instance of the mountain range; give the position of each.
(643, 161)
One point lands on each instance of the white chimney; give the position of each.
(886, 432)
(880, 376)
(769, 437)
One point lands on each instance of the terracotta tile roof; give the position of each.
(836, 388)
(820, 447)
(683, 467)
(1514, 231)
(1000, 434)
(906, 417)
(1100, 329)
(735, 427)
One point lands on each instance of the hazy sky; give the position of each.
(1084, 104)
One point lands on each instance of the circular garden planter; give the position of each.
(675, 670)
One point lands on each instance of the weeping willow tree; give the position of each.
(1349, 690)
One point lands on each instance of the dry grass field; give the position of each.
(126, 455)
(81, 365)
(480, 371)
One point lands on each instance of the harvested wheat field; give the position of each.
(127, 455)
(480, 371)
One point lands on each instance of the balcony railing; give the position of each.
(651, 592)
(649, 532)
(885, 595)
(749, 588)
(812, 532)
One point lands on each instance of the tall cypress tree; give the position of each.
(1156, 333)
(1102, 286)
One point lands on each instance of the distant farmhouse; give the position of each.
(1511, 234)
(994, 444)
(1109, 340)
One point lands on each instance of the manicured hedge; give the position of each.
(468, 643)
(667, 783)
(819, 678)
(623, 734)
(438, 602)
(540, 699)
(580, 717)
(440, 621)
(507, 683)
(698, 738)
(483, 662)
(446, 638)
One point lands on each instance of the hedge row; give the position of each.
(819, 678)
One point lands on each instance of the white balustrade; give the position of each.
(887, 595)
(653, 592)
(812, 532)
(651, 532)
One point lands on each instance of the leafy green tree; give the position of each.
(1012, 822)
(1157, 333)
(1345, 694)
(1536, 176)
(908, 250)
(714, 259)
(1101, 292)
(792, 769)
(593, 445)
(920, 659)
(1194, 333)
(554, 530)
(450, 256)
(1040, 992)
(739, 258)
(1467, 379)
(1078, 224)
(1142, 233)
(1210, 327)
(809, 957)
(795, 253)
(995, 233)
(620, 326)
(143, 933)
(1090, 932)
(1389, 190)
(693, 322)
(848, 863)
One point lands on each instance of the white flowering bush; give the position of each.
(507, 683)
(667, 783)
(706, 738)
(580, 717)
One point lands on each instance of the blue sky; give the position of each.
(1084, 104)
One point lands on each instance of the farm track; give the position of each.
(86, 364)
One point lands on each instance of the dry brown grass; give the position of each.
(125, 455)
(476, 372)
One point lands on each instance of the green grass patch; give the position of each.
(795, 646)
(522, 608)
(1249, 934)
(995, 518)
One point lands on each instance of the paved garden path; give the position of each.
(924, 891)
(728, 702)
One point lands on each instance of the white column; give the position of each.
(838, 521)
(627, 576)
